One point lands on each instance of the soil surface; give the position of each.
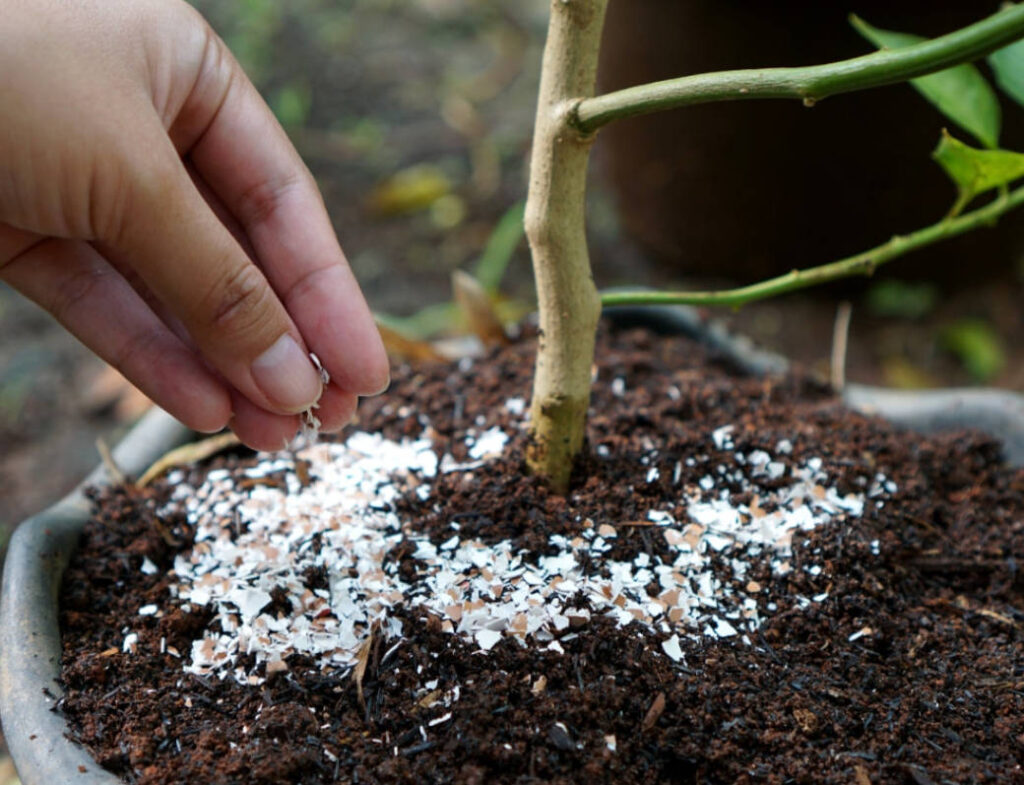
(888, 647)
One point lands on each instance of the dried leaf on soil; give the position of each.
(187, 454)
(398, 345)
(477, 308)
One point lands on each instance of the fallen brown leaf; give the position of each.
(404, 348)
(187, 454)
(476, 306)
(113, 470)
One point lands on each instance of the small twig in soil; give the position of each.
(654, 713)
(362, 659)
(165, 534)
(117, 476)
(410, 751)
(840, 341)
(946, 565)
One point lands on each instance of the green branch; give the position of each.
(861, 264)
(809, 83)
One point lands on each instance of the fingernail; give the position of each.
(286, 376)
(383, 388)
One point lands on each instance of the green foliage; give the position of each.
(978, 347)
(902, 299)
(428, 322)
(365, 135)
(961, 93)
(412, 189)
(291, 105)
(251, 26)
(506, 237)
(1008, 64)
(976, 171)
(489, 271)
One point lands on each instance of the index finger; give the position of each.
(242, 152)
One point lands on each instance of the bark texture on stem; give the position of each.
(555, 227)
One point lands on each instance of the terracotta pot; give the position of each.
(39, 551)
(749, 189)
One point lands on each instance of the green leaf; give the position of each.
(1008, 63)
(426, 323)
(961, 93)
(291, 105)
(976, 171)
(410, 190)
(902, 299)
(502, 243)
(978, 346)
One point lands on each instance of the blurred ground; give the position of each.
(415, 117)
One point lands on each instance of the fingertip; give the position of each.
(259, 429)
(358, 363)
(378, 368)
(375, 377)
(192, 395)
(285, 374)
(208, 422)
(336, 409)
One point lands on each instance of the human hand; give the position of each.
(151, 202)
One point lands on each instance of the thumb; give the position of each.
(187, 258)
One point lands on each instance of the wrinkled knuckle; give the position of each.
(216, 61)
(74, 290)
(129, 193)
(259, 202)
(137, 348)
(110, 200)
(309, 282)
(239, 302)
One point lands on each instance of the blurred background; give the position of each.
(415, 116)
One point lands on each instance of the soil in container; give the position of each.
(748, 584)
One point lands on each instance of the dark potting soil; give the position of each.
(906, 667)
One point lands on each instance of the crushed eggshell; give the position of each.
(338, 515)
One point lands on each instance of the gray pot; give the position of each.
(41, 547)
(30, 647)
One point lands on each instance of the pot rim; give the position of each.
(39, 550)
(30, 648)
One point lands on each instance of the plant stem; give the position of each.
(809, 83)
(862, 264)
(568, 301)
